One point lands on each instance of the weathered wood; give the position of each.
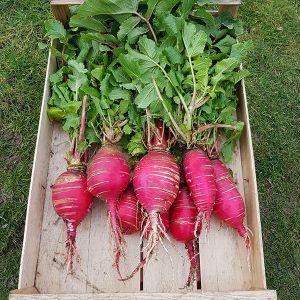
(250, 187)
(233, 9)
(34, 215)
(169, 272)
(61, 13)
(247, 295)
(24, 291)
(102, 275)
(223, 257)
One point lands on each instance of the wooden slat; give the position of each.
(247, 295)
(51, 276)
(61, 13)
(38, 184)
(102, 275)
(223, 257)
(250, 186)
(169, 272)
(24, 291)
(233, 9)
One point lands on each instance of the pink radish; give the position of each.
(199, 174)
(108, 175)
(156, 184)
(129, 211)
(182, 227)
(229, 206)
(70, 197)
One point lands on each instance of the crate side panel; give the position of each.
(223, 257)
(241, 295)
(250, 185)
(36, 196)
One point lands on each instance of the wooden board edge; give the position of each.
(249, 167)
(25, 291)
(239, 295)
(38, 182)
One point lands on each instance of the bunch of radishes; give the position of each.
(157, 93)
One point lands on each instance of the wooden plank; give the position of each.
(51, 274)
(61, 13)
(233, 9)
(250, 186)
(37, 191)
(223, 256)
(169, 272)
(24, 291)
(246, 295)
(102, 275)
(230, 2)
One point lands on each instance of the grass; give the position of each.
(274, 103)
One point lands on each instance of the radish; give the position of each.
(200, 178)
(229, 206)
(156, 184)
(108, 175)
(182, 226)
(70, 197)
(129, 211)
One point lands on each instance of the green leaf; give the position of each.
(57, 77)
(148, 47)
(104, 85)
(236, 77)
(91, 91)
(206, 16)
(146, 96)
(225, 44)
(118, 93)
(127, 26)
(239, 51)
(90, 135)
(87, 23)
(124, 104)
(55, 30)
(135, 33)
(107, 7)
(72, 107)
(194, 40)
(224, 66)
(55, 114)
(173, 55)
(151, 6)
(166, 6)
(127, 129)
(98, 72)
(42, 45)
(72, 122)
(98, 37)
(187, 6)
(131, 67)
(120, 76)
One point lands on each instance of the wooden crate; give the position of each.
(224, 270)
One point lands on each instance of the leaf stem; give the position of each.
(149, 25)
(192, 104)
(189, 122)
(167, 111)
(209, 126)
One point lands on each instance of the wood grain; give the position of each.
(247, 295)
(37, 190)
